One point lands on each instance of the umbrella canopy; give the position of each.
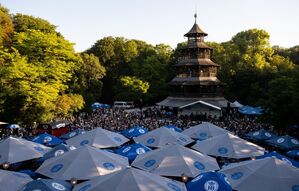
(209, 181)
(57, 151)
(47, 185)
(99, 138)
(163, 136)
(132, 151)
(280, 157)
(293, 153)
(248, 110)
(130, 179)
(229, 146)
(268, 174)
(72, 134)
(12, 181)
(47, 139)
(204, 131)
(237, 104)
(174, 128)
(13, 126)
(134, 131)
(260, 135)
(82, 163)
(15, 150)
(284, 142)
(175, 161)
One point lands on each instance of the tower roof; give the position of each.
(195, 30)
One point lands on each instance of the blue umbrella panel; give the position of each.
(134, 131)
(72, 134)
(285, 159)
(132, 151)
(47, 139)
(293, 153)
(209, 181)
(260, 135)
(285, 142)
(47, 185)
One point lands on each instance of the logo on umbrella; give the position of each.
(140, 151)
(58, 186)
(199, 165)
(56, 168)
(117, 139)
(109, 166)
(84, 142)
(237, 175)
(38, 149)
(211, 185)
(173, 187)
(59, 152)
(222, 150)
(280, 140)
(150, 141)
(149, 163)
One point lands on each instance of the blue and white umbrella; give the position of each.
(284, 142)
(99, 138)
(96, 105)
(267, 174)
(163, 136)
(57, 151)
(132, 151)
(285, 159)
(228, 146)
(13, 150)
(209, 181)
(293, 153)
(82, 163)
(174, 128)
(13, 181)
(130, 179)
(47, 139)
(47, 185)
(72, 134)
(134, 131)
(248, 110)
(13, 126)
(174, 161)
(260, 135)
(204, 131)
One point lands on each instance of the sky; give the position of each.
(83, 22)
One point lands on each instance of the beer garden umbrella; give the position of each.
(13, 181)
(13, 150)
(229, 146)
(285, 142)
(132, 151)
(130, 179)
(47, 139)
(268, 174)
(134, 131)
(47, 185)
(204, 131)
(163, 136)
(82, 163)
(175, 161)
(99, 138)
(209, 181)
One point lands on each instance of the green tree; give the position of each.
(86, 79)
(23, 23)
(6, 27)
(130, 88)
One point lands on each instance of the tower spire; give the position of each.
(195, 17)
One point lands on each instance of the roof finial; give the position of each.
(195, 14)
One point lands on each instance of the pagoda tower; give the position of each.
(196, 89)
(196, 73)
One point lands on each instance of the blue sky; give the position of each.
(83, 22)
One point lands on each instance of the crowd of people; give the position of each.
(118, 119)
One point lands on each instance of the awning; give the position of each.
(215, 103)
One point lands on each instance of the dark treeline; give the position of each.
(43, 78)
